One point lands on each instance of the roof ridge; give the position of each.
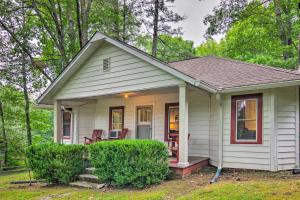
(184, 59)
(289, 71)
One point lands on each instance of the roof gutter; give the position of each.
(261, 86)
(205, 86)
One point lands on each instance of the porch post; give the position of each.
(183, 126)
(57, 122)
(75, 121)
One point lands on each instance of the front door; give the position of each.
(144, 122)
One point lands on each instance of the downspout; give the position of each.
(220, 128)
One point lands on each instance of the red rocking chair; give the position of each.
(123, 133)
(96, 137)
(173, 144)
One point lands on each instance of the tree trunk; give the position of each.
(5, 151)
(284, 25)
(27, 104)
(78, 16)
(155, 28)
(124, 21)
(83, 8)
(71, 27)
(116, 20)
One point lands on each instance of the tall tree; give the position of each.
(83, 12)
(10, 17)
(261, 26)
(158, 17)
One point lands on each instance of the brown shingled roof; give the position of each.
(221, 73)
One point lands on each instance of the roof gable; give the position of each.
(94, 43)
(127, 73)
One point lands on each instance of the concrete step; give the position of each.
(85, 184)
(89, 170)
(89, 178)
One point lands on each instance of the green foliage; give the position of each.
(210, 48)
(256, 32)
(168, 48)
(13, 109)
(56, 163)
(136, 163)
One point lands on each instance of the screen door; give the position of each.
(144, 122)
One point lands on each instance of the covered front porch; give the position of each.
(154, 114)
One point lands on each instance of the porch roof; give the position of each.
(209, 73)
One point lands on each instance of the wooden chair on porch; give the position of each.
(96, 137)
(173, 145)
(123, 133)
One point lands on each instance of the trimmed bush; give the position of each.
(56, 163)
(133, 163)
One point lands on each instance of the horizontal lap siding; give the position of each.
(214, 131)
(128, 73)
(248, 156)
(286, 120)
(86, 121)
(199, 123)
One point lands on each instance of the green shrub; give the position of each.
(136, 163)
(56, 163)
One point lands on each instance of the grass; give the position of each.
(252, 185)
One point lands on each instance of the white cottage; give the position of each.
(234, 114)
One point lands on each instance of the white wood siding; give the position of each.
(86, 119)
(214, 131)
(287, 127)
(128, 73)
(199, 108)
(248, 156)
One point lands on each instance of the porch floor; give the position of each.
(195, 163)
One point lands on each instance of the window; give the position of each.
(66, 124)
(171, 119)
(116, 118)
(246, 119)
(106, 65)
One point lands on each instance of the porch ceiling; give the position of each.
(81, 101)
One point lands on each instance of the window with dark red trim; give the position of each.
(116, 118)
(67, 124)
(246, 119)
(171, 119)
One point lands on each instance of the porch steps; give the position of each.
(90, 170)
(85, 184)
(89, 178)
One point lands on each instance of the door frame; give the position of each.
(136, 118)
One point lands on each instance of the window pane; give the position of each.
(116, 126)
(117, 119)
(246, 119)
(117, 116)
(246, 109)
(66, 123)
(246, 130)
(173, 119)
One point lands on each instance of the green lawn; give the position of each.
(233, 185)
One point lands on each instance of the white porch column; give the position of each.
(57, 122)
(183, 126)
(75, 132)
